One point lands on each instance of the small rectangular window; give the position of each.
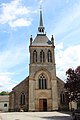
(5, 105)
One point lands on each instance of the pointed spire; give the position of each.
(41, 20)
(41, 28)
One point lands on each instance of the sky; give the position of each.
(19, 19)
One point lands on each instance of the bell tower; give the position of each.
(43, 95)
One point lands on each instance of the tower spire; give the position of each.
(41, 27)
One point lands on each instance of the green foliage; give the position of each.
(4, 93)
(73, 82)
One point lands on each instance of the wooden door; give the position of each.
(43, 105)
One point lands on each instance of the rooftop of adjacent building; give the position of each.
(4, 98)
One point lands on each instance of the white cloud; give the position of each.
(6, 82)
(67, 58)
(68, 19)
(12, 57)
(20, 22)
(41, 1)
(15, 12)
(59, 46)
(4, 79)
(6, 73)
(9, 59)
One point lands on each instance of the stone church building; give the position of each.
(42, 90)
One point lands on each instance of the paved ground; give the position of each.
(34, 116)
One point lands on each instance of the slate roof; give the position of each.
(4, 98)
(41, 40)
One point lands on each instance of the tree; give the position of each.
(4, 93)
(73, 83)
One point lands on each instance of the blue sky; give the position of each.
(19, 19)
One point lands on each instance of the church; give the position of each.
(42, 90)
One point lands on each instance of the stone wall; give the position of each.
(15, 96)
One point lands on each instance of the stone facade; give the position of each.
(15, 96)
(42, 90)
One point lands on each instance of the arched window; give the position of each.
(42, 56)
(62, 98)
(42, 82)
(49, 55)
(34, 56)
(22, 99)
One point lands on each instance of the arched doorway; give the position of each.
(42, 104)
